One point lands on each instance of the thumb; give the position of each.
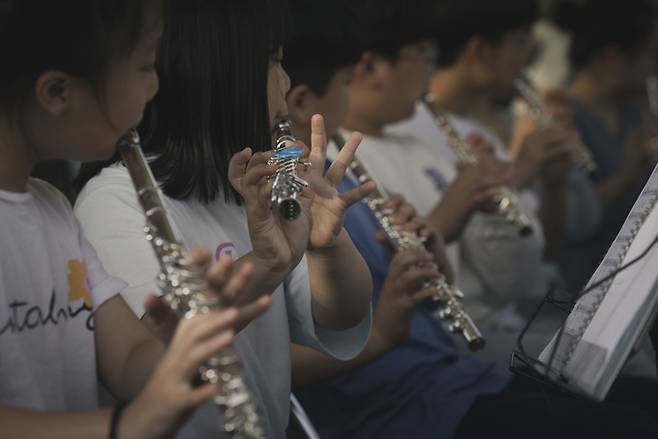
(237, 167)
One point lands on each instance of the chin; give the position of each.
(104, 153)
(407, 114)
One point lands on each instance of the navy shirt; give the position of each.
(584, 253)
(421, 389)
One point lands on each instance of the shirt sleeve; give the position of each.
(113, 222)
(102, 285)
(343, 345)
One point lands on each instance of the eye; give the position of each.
(148, 68)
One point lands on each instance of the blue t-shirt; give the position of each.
(421, 389)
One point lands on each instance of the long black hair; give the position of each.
(212, 103)
(79, 37)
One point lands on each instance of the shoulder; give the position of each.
(45, 192)
(51, 201)
(113, 183)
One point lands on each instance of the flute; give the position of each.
(286, 185)
(447, 295)
(507, 202)
(579, 152)
(183, 286)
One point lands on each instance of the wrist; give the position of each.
(140, 420)
(131, 423)
(378, 342)
(327, 250)
(272, 264)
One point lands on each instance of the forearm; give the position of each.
(552, 214)
(450, 222)
(141, 362)
(20, 423)
(310, 366)
(340, 283)
(266, 277)
(134, 422)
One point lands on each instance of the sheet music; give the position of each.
(606, 323)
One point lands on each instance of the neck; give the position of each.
(452, 93)
(592, 89)
(17, 159)
(358, 121)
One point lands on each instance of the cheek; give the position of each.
(278, 85)
(272, 95)
(417, 81)
(129, 98)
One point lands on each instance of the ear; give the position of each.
(52, 92)
(301, 101)
(475, 60)
(474, 52)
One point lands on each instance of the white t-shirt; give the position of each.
(496, 266)
(50, 281)
(112, 219)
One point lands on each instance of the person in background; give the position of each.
(412, 379)
(609, 40)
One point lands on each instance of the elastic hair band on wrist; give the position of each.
(114, 419)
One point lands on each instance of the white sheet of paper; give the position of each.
(606, 323)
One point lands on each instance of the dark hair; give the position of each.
(595, 25)
(79, 37)
(325, 37)
(212, 102)
(390, 25)
(460, 20)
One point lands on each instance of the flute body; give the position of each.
(447, 296)
(507, 203)
(183, 286)
(579, 152)
(287, 185)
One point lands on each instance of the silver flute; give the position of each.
(286, 185)
(581, 156)
(447, 296)
(508, 204)
(183, 285)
